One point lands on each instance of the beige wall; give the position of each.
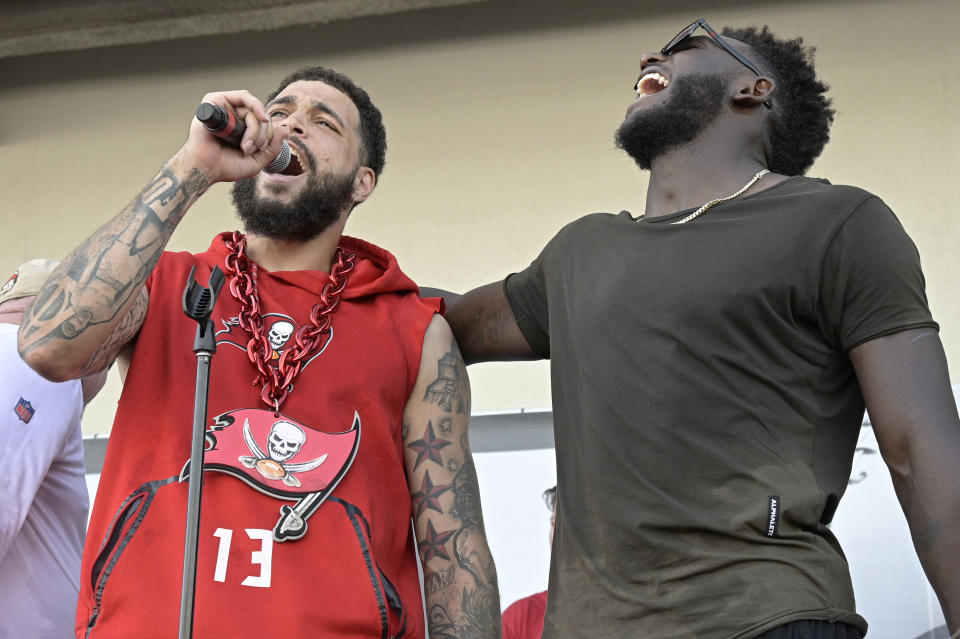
(500, 122)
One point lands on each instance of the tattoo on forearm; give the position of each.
(428, 497)
(481, 613)
(439, 579)
(123, 333)
(48, 304)
(454, 555)
(466, 492)
(440, 624)
(479, 617)
(104, 275)
(450, 390)
(435, 543)
(161, 192)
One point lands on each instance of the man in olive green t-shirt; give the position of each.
(711, 360)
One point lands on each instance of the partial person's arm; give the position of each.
(30, 459)
(28, 446)
(460, 580)
(485, 326)
(95, 301)
(906, 386)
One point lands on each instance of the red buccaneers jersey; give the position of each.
(523, 619)
(305, 521)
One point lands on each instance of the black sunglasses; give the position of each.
(689, 30)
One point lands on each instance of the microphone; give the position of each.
(225, 125)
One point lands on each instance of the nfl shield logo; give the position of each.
(24, 411)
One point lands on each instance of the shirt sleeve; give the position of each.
(871, 281)
(28, 446)
(527, 294)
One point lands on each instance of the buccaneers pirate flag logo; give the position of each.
(282, 458)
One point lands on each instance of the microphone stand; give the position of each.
(198, 305)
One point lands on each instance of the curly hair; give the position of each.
(373, 135)
(801, 112)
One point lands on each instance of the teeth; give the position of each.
(662, 81)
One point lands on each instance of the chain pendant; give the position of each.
(277, 380)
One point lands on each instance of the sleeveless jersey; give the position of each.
(305, 519)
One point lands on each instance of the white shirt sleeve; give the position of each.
(36, 418)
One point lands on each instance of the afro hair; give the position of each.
(801, 115)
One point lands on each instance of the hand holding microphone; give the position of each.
(227, 127)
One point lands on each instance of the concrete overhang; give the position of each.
(28, 27)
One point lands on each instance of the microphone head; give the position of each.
(280, 162)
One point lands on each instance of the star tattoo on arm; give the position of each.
(459, 577)
(428, 496)
(428, 446)
(435, 543)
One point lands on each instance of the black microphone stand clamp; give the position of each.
(198, 304)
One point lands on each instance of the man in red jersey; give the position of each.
(339, 400)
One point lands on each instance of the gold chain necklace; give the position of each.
(703, 209)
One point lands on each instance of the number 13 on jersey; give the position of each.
(262, 557)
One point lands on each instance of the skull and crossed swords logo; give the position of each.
(273, 442)
(285, 441)
(279, 334)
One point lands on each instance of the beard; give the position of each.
(315, 209)
(648, 133)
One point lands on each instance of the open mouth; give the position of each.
(295, 167)
(651, 83)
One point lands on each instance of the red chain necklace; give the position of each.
(277, 379)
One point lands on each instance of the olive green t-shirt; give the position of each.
(705, 407)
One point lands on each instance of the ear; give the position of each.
(755, 93)
(363, 184)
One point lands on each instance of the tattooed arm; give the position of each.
(94, 303)
(485, 326)
(906, 386)
(460, 580)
